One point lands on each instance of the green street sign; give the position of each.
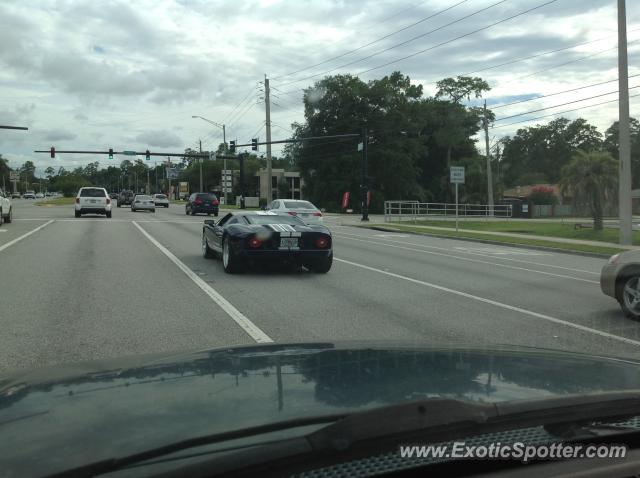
(129, 153)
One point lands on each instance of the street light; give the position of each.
(224, 141)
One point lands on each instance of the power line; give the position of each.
(561, 104)
(560, 112)
(557, 93)
(399, 44)
(255, 135)
(249, 107)
(517, 60)
(565, 63)
(237, 106)
(422, 20)
(456, 38)
(281, 127)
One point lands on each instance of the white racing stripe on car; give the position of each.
(494, 303)
(18, 239)
(249, 327)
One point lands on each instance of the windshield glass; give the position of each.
(92, 193)
(298, 205)
(445, 195)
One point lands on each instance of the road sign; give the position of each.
(172, 173)
(14, 176)
(226, 190)
(360, 146)
(226, 171)
(129, 153)
(457, 175)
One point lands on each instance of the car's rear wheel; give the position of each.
(78, 214)
(1, 218)
(207, 252)
(629, 296)
(109, 214)
(118, 204)
(321, 266)
(9, 218)
(133, 209)
(230, 262)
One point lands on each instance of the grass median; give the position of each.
(547, 229)
(56, 202)
(586, 248)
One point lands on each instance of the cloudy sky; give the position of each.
(131, 74)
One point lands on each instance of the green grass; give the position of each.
(56, 202)
(547, 229)
(605, 251)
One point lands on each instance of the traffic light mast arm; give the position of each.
(195, 155)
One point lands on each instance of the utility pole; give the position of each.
(155, 173)
(267, 104)
(624, 181)
(489, 175)
(200, 161)
(365, 175)
(148, 191)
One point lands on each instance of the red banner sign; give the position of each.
(345, 200)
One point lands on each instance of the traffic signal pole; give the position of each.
(267, 107)
(365, 176)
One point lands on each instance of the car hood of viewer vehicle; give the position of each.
(80, 413)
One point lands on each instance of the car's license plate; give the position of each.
(288, 242)
(92, 201)
(304, 214)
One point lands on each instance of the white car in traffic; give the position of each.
(92, 200)
(161, 200)
(143, 202)
(297, 207)
(6, 208)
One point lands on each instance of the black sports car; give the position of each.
(247, 237)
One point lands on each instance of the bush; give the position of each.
(543, 195)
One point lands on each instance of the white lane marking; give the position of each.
(18, 239)
(3, 230)
(468, 259)
(484, 255)
(495, 303)
(249, 327)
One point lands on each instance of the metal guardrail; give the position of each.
(412, 210)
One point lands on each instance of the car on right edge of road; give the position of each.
(620, 279)
(297, 207)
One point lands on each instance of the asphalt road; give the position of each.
(92, 288)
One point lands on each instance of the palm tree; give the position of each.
(590, 178)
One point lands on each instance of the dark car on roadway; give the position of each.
(202, 203)
(125, 198)
(248, 237)
(113, 196)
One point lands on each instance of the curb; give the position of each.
(489, 241)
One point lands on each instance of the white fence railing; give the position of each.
(412, 210)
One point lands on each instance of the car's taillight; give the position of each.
(322, 243)
(77, 200)
(108, 201)
(255, 243)
(317, 214)
(198, 201)
(216, 202)
(292, 213)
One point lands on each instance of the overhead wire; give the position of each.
(561, 104)
(399, 44)
(560, 113)
(377, 40)
(456, 38)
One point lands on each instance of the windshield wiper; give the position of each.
(429, 420)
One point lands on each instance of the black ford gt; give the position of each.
(247, 237)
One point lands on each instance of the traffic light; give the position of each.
(232, 146)
(110, 153)
(148, 155)
(254, 144)
(53, 152)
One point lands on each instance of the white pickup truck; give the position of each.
(6, 210)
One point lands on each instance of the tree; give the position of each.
(591, 178)
(50, 173)
(610, 144)
(536, 154)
